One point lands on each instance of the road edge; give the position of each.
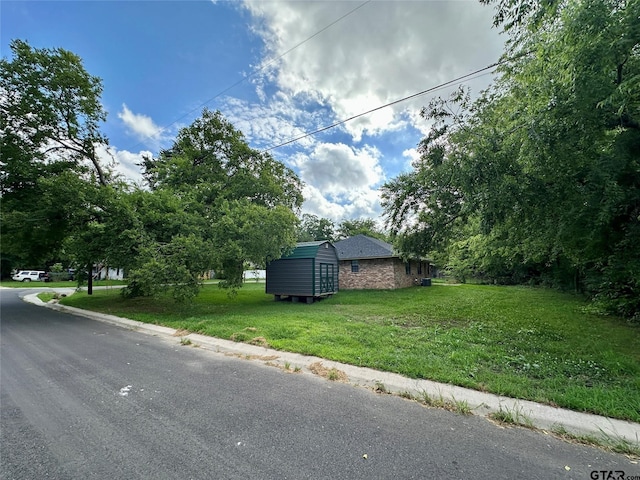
(530, 414)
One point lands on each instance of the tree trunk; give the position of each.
(90, 279)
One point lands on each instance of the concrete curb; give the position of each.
(533, 414)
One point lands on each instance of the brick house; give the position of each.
(369, 263)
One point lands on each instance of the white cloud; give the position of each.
(340, 181)
(315, 203)
(382, 52)
(267, 125)
(411, 154)
(361, 204)
(141, 126)
(124, 162)
(338, 170)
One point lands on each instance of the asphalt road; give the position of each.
(81, 399)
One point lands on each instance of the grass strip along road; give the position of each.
(530, 343)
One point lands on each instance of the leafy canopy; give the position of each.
(50, 117)
(545, 166)
(214, 204)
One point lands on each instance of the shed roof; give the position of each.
(306, 249)
(361, 246)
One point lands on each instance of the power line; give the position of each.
(429, 90)
(255, 72)
(306, 40)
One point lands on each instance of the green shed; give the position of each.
(309, 272)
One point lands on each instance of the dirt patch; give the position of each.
(246, 336)
(329, 373)
(266, 358)
(181, 333)
(260, 341)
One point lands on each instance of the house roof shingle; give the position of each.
(361, 246)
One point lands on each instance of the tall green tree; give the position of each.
(313, 228)
(547, 160)
(242, 202)
(50, 116)
(360, 226)
(154, 238)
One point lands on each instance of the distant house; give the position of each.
(101, 272)
(309, 272)
(369, 263)
(254, 275)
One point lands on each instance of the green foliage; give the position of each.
(211, 162)
(253, 233)
(313, 228)
(214, 203)
(175, 266)
(57, 268)
(51, 110)
(49, 136)
(362, 226)
(513, 416)
(544, 167)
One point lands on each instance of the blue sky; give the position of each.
(162, 62)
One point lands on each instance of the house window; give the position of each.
(355, 267)
(407, 267)
(419, 268)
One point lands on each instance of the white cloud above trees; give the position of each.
(141, 126)
(382, 52)
(123, 162)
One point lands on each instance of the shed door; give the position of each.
(327, 283)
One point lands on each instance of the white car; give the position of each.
(30, 276)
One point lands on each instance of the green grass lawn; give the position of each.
(521, 342)
(47, 296)
(67, 284)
